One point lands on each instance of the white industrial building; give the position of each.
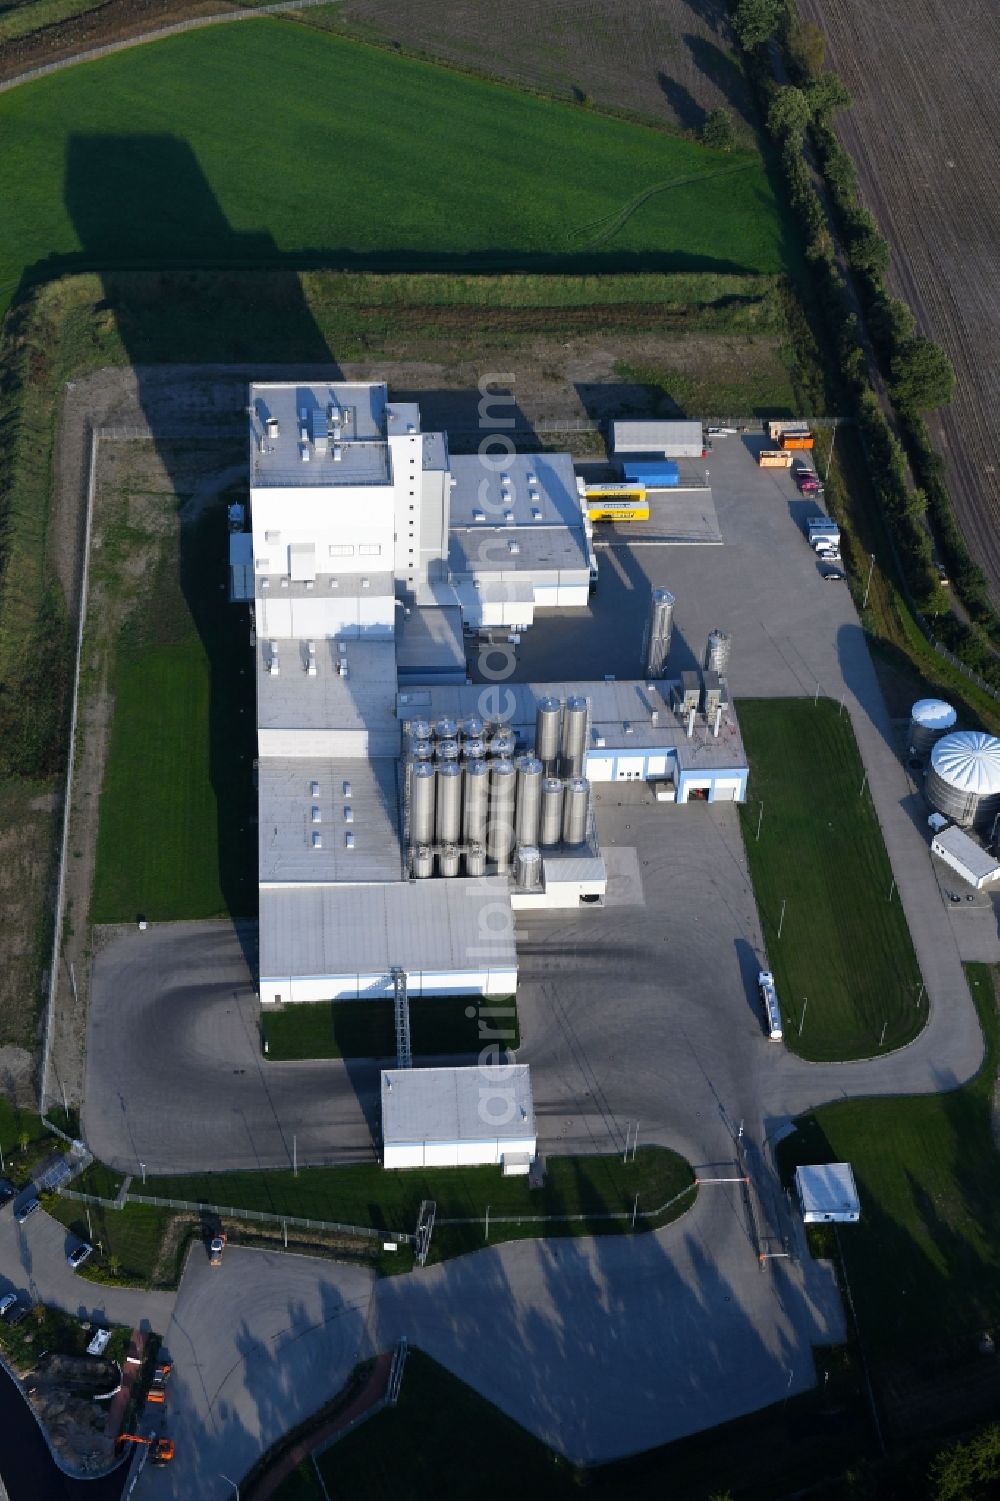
(660, 439)
(965, 856)
(396, 831)
(458, 1117)
(827, 1194)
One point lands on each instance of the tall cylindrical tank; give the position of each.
(548, 727)
(473, 750)
(471, 726)
(502, 744)
(422, 803)
(529, 800)
(574, 736)
(500, 832)
(963, 781)
(930, 718)
(449, 802)
(448, 858)
(475, 860)
(718, 650)
(422, 750)
(419, 729)
(423, 861)
(446, 750)
(576, 807)
(445, 729)
(528, 867)
(476, 803)
(550, 823)
(659, 627)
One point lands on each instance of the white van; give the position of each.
(769, 999)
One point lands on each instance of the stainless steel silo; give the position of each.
(422, 803)
(473, 750)
(963, 780)
(420, 729)
(550, 823)
(576, 808)
(529, 800)
(528, 867)
(422, 750)
(659, 627)
(445, 729)
(574, 736)
(446, 750)
(476, 803)
(475, 860)
(449, 803)
(423, 861)
(448, 860)
(472, 727)
(718, 650)
(502, 744)
(930, 718)
(500, 831)
(548, 727)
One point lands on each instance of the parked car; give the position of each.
(7, 1191)
(834, 575)
(807, 481)
(22, 1211)
(79, 1254)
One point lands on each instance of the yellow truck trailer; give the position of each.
(617, 503)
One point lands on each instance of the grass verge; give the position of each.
(439, 1025)
(822, 876)
(924, 1262)
(50, 1331)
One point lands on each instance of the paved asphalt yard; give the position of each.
(642, 1011)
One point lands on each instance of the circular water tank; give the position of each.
(963, 781)
(930, 718)
(528, 867)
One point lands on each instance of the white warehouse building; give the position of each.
(458, 1117)
(371, 552)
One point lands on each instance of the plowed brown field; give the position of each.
(924, 133)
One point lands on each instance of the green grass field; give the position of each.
(844, 946)
(366, 1029)
(924, 1262)
(175, 839)
(250, 144)
(369, 1196)
(128, 1241)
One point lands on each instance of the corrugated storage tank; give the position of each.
(476, 803)
(717, 652)
(500, 832)
(449, 803)
(548, 728)
(550, 824)
(423, 861)
(575, 810)
(963, 781)
(475, 860)
(529, 800)
(930, 718)
(574, 736)
(422, 803)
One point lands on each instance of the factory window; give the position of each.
(341, 550)
(370, 549)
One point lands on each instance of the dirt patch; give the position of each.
(112, 21)
(918, 147)
(29, 821)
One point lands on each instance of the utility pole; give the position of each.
(760, 818)
(892, 888)
(635, 1210)
(871, 570)
(864, 784)
(829, 457)
(882, 1038)
(802, 1018)
(781, 919)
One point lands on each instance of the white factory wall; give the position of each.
(491, 1152)
(326, 743)
(324, 614)
(727, 787)
(350, 527)
(973, 877)
(294, 989)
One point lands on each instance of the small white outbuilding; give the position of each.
(458, 1117)
(827, 1194)
(959, 850)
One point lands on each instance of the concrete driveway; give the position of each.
(601, 1347)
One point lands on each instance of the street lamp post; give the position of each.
(142, 1169)
(230, 1482)
(871, 570)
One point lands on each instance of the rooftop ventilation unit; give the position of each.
(303, 414)
(272, 665)
(338, 453)
(314, 789)
(304, 453)
(348, 815)
(513, 547)
(316, 814)
(310, 583)
(366, 583)
(342, 668)
(320, 436)
(536, 513)
(265, 583)
(317, 841)
(273, 427)
(508, 517)
(532, 477)
(347, 789)
(349, 841)
(478, 515)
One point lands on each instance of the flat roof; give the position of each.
(457, 1104)
(360, 439)
(542, 482)
(429, 638)
(827, 1188)
(963, 847)
(621, 714)
(292, 699)
(434, 927)
(647, 436)
(352, 796)
(490, 552)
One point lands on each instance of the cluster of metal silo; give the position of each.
(963, 780)
(718, 650)
(659, 627)
(575, 725)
